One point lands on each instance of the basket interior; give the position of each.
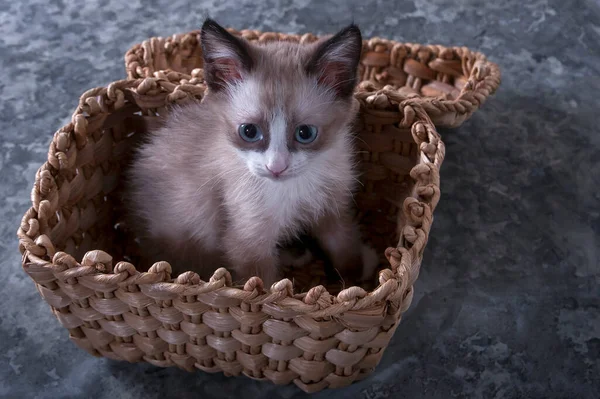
(91, 212)
(386, 152)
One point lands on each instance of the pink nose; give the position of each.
(276, 172)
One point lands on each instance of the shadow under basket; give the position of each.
(83, 263)
(449, 83)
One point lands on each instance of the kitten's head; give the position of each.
(286, 106)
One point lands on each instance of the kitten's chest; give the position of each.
(284, 207)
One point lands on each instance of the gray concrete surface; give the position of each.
(506, 305)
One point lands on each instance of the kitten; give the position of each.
(266, 156)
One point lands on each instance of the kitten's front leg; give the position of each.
(249, 257)
(339, 237)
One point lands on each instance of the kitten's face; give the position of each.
(287, 106)
(282, 130)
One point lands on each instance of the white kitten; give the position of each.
(266, 156)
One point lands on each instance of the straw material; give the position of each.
(75, 248)
(448, 83)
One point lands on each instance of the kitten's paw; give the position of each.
(270, 278)
(370, 262)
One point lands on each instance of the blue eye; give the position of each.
(250, 132)
(306, 133)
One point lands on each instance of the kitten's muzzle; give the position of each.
(276, 172)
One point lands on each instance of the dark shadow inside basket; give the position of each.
(387, 153)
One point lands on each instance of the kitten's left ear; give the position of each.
(226, 57)
(335, 61)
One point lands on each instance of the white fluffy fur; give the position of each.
(199, 197)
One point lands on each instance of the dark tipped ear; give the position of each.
(335, 61)
(226, 57)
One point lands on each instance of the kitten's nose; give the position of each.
(276, 170)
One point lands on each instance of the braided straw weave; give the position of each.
(448, 83)
(82, 263)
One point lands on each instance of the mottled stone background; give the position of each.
(507, 302)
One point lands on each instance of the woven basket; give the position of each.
(82, 261)
(448, 83)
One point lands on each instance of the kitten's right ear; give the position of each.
(335, 61)
(226, 57)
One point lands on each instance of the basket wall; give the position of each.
(449, 83)
(314, 339)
